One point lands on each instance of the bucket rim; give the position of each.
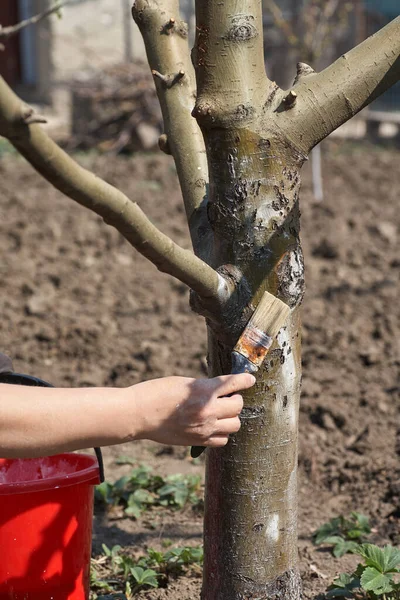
(89, 475)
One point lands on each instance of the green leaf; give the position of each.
(121, 483)
(126, 565)
(392, 558)
(140, 477)
(327, 530)
(174, 493)
(133, 509)
(339, 593)
(124, 460)
(362, 521)
(150, 578)
(343, 586)
(103, 492)
(137, 574)
(197, 555)
(144, 577)
(156, 556)
(115, 550)
(142, 496)
(143, 562)
(374, 581)
(355, 534)
(384, 560)
(333, 539)
(374, 556)
(344, 547)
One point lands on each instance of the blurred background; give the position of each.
(83, 63)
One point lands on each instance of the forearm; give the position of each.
(173, 410)
(44, 421)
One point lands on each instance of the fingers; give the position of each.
(228, 407)
(227, 426)
(228, 384)
(217, 442)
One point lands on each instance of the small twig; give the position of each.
(163, 144)
(290, 100)
(6, 32)
(30, 118)
(168, 27)
(169, 80)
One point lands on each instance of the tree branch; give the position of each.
(6, 32)
(108, 202)
(165, 38)
(328, 99)
(237, 52)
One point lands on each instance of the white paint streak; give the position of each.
(288, 376)
(265, 213)
(296, 269)
(223, 291)
(272, 528)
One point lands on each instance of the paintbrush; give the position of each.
(256, 340)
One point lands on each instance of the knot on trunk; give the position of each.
(242, 29)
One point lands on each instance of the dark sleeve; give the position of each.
(5, 364)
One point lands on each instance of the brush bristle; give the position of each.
(270, 315)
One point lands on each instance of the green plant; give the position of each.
(97, 583)
(376, 577)
(115, 571)
(343, 533)
(113, 555)
(143, 578)
(142, 489)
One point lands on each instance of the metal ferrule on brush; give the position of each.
(250, 350)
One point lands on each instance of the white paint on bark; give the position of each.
(272, 528)
(289, 376)
(223, 290)
(297, 269)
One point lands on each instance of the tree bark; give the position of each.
(166, 40)
(250, 537)
(250, 528)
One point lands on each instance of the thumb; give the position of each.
(229, 384)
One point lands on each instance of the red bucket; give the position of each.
(46, 513)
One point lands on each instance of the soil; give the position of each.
(80, 308)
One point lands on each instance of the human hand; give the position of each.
(185, 411)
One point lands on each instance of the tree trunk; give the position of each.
(250, 530)
(250, 517)
(250, 536)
